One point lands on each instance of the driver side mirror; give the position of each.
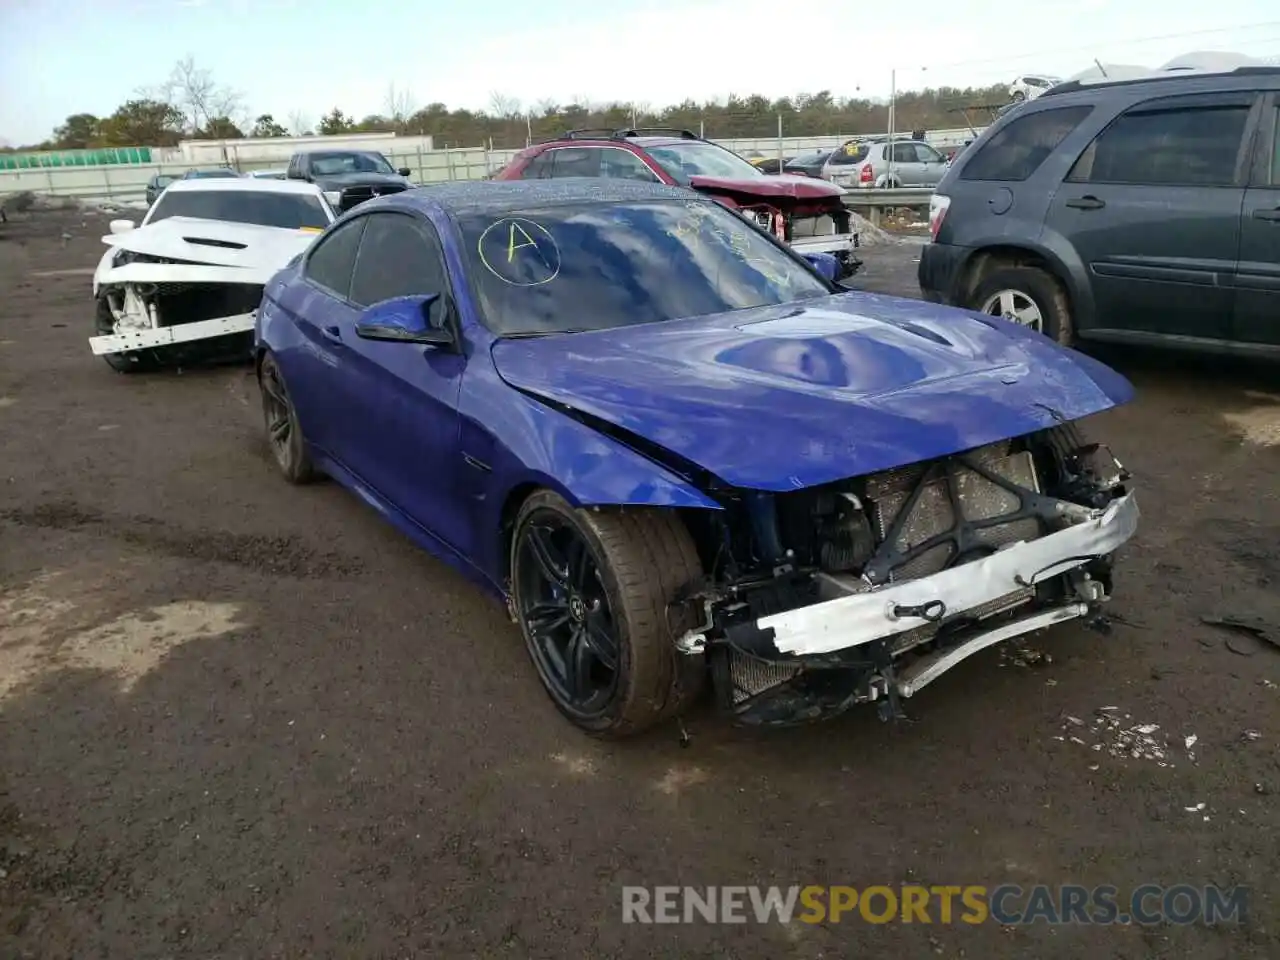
(825, 264)
(404, 172)
(404, 320)
(120, 226)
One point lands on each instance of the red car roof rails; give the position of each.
(607, 133)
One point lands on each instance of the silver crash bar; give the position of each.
(885, 612)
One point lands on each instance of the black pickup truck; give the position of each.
(348, 177)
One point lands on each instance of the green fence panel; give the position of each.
(75, 158)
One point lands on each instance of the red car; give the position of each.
(682, 158)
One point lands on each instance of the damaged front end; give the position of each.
(869, 589)
(184, 288)
(811, 221)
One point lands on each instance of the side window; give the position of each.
(575, 161)
(904, 153)
(1166, 145)
(624, 165)
(927, 154)
(1018, 148)
(1275, 149)
(399, 257)
(537, 168)
(331, 261)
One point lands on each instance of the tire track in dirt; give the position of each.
(269, 555)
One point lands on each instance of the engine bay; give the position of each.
(858, 537)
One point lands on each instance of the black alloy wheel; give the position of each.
(564, 606)
(595, 593)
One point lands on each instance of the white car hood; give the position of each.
(215, 251)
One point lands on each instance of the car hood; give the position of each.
(780, 398)
(193, 250)
(338, 181)
(779, 186)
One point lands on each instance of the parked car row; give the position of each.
(686, 457)
(681, 157)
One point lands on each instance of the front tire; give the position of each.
(1029, 296)
(284, 433)
(591, 591)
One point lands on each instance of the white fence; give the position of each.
(128, 182)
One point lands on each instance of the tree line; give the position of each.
(191, 104)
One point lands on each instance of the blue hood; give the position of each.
(779, 398)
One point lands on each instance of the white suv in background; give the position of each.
(1030, 86)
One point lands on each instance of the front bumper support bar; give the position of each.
(879, 614)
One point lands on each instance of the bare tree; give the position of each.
(201, 99)
(504, 106)
(300, 123)
(400, 105)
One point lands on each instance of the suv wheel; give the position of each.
(1029, 296)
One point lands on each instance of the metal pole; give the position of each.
(780, 143)
(893, 97)
(528, 129)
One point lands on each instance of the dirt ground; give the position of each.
(239, 719)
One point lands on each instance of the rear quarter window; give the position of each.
(1017, 150)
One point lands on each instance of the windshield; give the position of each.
(695, 159)
(597, 266)
(291, 211)
(207, 174)
(335, 164)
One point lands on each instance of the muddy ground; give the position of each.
(239, 719)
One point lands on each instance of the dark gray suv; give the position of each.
(1141, 211)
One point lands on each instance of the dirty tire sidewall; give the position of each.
(1037, 285)
(645, 558)
(295, 463)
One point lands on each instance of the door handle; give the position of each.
(332, 333)
(1265, 214)
(1085, 203)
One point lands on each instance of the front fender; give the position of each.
(516, 443)
(544, 446)
(104, 265)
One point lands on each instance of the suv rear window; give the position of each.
(1016, 151)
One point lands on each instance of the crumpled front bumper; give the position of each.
(882, 614)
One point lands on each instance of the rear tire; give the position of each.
(284, 433)
(1027, 289)
(633, 566)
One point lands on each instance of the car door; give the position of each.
(1152, 208)
(932, 164)
(1257, 309)
(317, 307)
(400, 427)
(906, 164)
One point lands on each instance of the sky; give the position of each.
(300, 58)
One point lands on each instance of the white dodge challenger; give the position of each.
(189, 278)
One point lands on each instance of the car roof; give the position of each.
(1242, 77)
(504, 196)
(251, 184)
(650, 141)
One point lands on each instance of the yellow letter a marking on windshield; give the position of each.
(512, 246)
